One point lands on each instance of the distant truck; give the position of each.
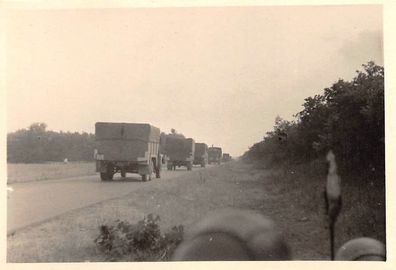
(215, 155)
(226, 157)
(179, 152)
(201, 154)
(127, 148)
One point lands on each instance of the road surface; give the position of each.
(33, 202)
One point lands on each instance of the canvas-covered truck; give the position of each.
(226, 157)
(214, 155)
(127, 148)
(179, 152)
(201, 154)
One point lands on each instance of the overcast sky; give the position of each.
(218, 75)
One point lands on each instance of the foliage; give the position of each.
(175, 134)
(36, 145)
(348, 118)
(142, 241)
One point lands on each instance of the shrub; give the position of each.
(347, 118)
(142, 241)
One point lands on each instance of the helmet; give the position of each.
(230, 234)
(361, 249)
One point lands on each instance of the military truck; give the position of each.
(179, 152)
(201, 154)
(226, 157)
(214, 155)
(127, 148)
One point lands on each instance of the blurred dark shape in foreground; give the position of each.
(361, 249)
(244, 235)
(233, 235)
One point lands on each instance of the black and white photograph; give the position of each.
(195, 132)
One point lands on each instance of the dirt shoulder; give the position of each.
(182, 200)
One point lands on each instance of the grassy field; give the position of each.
(35, 172)
(362, 213)
(291, 197)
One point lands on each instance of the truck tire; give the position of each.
(157, 168)
(151, 170)
(108, 175)
(104, 177)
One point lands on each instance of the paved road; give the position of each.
(33, 202)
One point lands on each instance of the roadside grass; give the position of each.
(363, 212)
(300, 193)
(35, 172)
(296, 205)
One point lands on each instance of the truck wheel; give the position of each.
(110, 172)
(108, 175)
(104, 176)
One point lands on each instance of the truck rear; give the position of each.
(226, 157)
(179, 152)
(214, 154)
(201, 154)
(127, 148)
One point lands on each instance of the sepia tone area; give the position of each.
(195, 134)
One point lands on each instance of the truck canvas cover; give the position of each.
(125, 141)
(179, 148)
(200, 149)
(215, 153)
(215, 150)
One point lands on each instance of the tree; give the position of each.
(175, 134)
(348, 118)
(36, 145)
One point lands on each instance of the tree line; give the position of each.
(36, 145)
(347, 118)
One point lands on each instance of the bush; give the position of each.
(143, 241)
(347, 118)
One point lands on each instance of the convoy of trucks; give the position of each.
(142, 149)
